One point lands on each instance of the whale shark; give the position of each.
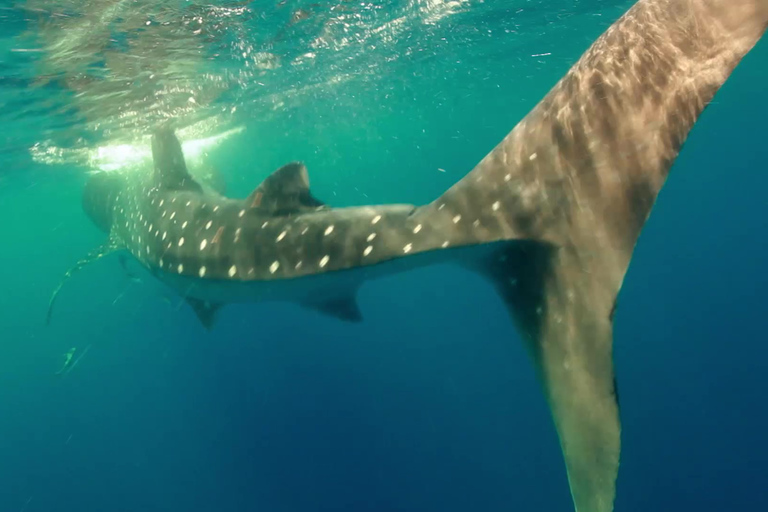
(550, 216)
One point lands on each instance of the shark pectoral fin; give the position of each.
(96, 254)
(170, 167)
(123, 260)
(285, 191)
(563, 307)
(205, 311)
(342, 308)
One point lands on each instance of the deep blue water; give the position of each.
(430, 403)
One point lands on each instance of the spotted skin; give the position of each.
(554, 210)
(217, 238)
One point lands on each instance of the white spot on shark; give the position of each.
(367, 250)
(181, 241)
(180, 268)
(328, 230)
(209, 224)
(407, 248)
(456, 219)
(417, 229)
(495, 206)
(376, 219)
(274, 266)
(203, 244)
(281, 236)
(232, 271)
(324, 261)
(201, 272)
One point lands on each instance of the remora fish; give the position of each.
(551, 216)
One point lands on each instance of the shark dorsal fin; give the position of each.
(170, 168)
(284, 192)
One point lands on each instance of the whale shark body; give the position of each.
(550, 216)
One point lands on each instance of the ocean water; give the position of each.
(430, 403)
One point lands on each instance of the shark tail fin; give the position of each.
(570, 188)
(96, 254)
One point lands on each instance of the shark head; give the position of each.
(99, 197)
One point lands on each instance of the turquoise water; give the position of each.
(430, 403)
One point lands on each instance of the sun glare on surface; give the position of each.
(116, 157)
